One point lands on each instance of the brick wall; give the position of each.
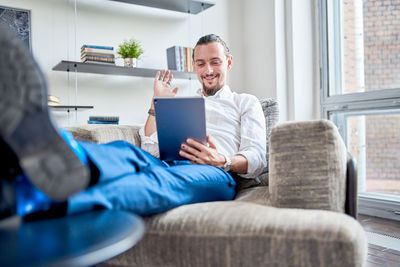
(382, 44)
(383, 147)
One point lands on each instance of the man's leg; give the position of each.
(117, 159)
(156, 189)
(132, 179)
(27, 128)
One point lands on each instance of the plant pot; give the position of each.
(130, 62)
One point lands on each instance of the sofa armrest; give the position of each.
(307, 166)
(101, 133)
(234, 233)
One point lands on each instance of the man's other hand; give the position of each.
(162, 85)
(198, 153)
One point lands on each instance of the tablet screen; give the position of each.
(177, 119)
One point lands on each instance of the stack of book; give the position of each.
(97, 54)
(180, 58)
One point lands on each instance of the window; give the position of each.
(360, 81)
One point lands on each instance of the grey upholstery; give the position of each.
(237, 233)
(296, 221)
(317, 145)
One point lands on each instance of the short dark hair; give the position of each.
(210, 38)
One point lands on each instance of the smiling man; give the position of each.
(119, 175)
(235, 122)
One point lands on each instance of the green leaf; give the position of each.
(130, 49)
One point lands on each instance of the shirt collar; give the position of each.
(222, 93)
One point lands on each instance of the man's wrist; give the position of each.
(151, 112)
(228, 164)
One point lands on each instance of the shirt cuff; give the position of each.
(255, 165)
(152, 139)
(149, 143)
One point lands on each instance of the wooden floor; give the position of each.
(381, 256)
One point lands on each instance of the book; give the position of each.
(93, 58)
(94, 50)
(53, 100)
(95, 54)
(98, 47)
(173, 59)
(104, 118)
(182, 64)
(191, 60)
(186, 56)
(102, 122)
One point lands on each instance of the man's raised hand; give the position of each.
(162, 85)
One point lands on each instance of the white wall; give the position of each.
(252, 30)
(55, 38)
(302, 91)
(279, 53)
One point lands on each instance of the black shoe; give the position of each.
(8, 205)
(27, 128)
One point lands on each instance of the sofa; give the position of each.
(294, 214)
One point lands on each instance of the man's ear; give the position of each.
(230, 58)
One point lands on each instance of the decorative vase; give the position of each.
(130, 62)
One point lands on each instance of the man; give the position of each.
(236, 122)
(80, 176)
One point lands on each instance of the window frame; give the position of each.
(361, 103)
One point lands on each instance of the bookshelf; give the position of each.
(188, 6)
(185, 6)
(71, 66)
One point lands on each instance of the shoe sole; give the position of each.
(27, 127)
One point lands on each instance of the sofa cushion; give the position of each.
(102, 133)
(257, 194)
(235, 233)
(271, 113)
(307, 166)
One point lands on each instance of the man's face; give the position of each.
(211, 65)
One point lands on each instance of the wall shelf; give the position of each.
(68, 107)
(185, 6)
(116, 70)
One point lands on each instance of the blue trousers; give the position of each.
(132, 179)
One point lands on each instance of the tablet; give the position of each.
(179, 118)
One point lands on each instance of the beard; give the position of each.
(212, 90)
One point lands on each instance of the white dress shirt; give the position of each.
(236, 125)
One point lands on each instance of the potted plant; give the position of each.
(130, 51)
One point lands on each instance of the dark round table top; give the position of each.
(78, 240)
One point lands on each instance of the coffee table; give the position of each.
(79, 240)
